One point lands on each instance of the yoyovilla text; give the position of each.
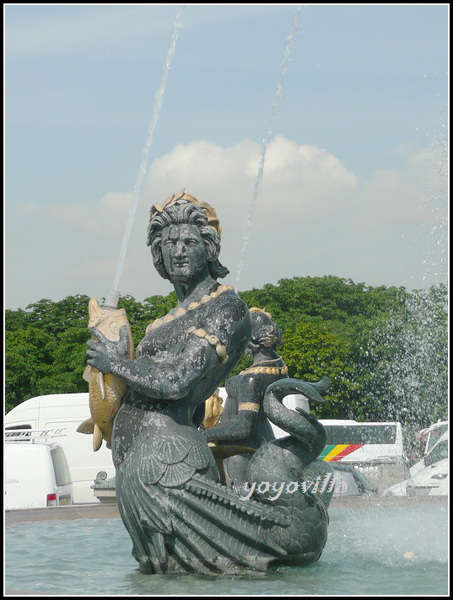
(276, 489)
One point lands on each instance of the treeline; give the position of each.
(384, 349)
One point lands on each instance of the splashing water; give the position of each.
(434, 258)
(265, 143)
(158, 97)
(407, 353)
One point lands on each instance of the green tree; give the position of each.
(56, 317)
(331, 311)
(311, 351)
(68, 363)
(45, 345)
(15, 319)
(385, 350)
(28, 358)
(328, 298)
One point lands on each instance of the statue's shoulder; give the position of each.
(229, 315)
(231, 305)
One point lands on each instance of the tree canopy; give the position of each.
(384, 349)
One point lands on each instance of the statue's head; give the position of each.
(265, 332)
(181, 209)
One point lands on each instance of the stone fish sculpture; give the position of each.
(179, 515)
(105, 391)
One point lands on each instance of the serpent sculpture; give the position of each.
(179, 515)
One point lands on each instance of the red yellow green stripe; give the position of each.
(335, 452)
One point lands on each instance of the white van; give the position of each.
(430, 477)
(36, 471)
(432, 434)
(68, 411)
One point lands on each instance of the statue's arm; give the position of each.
(169, 377)
(239, 429)
(174, 371)
(244, 390)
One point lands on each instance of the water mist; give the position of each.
(113, 295)
(265, 143)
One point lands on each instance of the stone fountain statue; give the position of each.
(179, 513)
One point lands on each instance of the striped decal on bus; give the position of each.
(337, 452)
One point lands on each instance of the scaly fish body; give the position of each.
(213, 410)
(105, 390)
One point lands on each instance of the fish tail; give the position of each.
(87, 426)
(97, 438)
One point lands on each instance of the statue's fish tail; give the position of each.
(301, 425)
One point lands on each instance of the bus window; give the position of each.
(361, 434)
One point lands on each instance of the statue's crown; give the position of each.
(210, 212)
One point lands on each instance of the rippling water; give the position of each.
(383, 551)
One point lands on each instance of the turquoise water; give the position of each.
(383, 551)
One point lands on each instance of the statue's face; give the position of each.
(184, 252)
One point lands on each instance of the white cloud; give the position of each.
(297, 180)
(312, 217)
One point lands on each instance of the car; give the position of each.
(428, 481)
(36, 470)
(67, 411)
(429, 436)
(351, 482)
(431, 475)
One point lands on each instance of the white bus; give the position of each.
(375, 449)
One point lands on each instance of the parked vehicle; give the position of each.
(349, 481)
(355, 443)
(432, 478)
(373, 448)
(68, 411)
(36, 470)
(430, 435)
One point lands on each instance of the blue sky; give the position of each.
(355, 175)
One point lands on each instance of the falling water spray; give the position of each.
(113, 295)
(265, 143)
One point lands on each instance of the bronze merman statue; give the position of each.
(243, 421)
(179, 516)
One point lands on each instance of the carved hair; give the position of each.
(184, 212)
(265, 332)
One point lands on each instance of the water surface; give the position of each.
(399, 550)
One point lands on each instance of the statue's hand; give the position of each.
(102, 353)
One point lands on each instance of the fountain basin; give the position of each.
(375, 546)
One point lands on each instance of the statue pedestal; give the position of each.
(104, 489)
